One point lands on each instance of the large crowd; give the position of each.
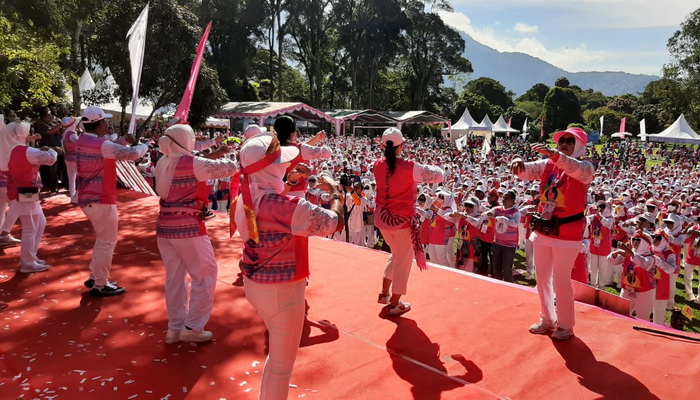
(636, 203)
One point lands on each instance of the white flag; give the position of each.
(601, 124)
(643, 129)
(137, 46)
(485, 148)
(461, 143)
(524, 134)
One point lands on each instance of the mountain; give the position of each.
(519, 72)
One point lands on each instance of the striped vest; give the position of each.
(509, 238)
(279, 256)
(181, 211)
(22, 173)
(68, 147)
(97, 176)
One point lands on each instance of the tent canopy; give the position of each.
(678, 132)
(361, 116)
(417, 117)
(464, 126)
(502, 126)
(217, 123)
(263, 110)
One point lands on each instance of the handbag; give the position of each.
(27, 194)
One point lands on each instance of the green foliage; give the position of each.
(611, 121)
(536, 93)
(590, 99)
(684, 66)
(625, 103)
(477, 104)
(562, 82)
(517, 117)
(493, 91)
(30, 74)
(561, 107)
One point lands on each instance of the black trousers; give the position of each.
(485, 258)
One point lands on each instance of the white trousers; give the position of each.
(688, 272)
(281, 307)
(601, 273)
(8, 216)
(72, 169)
(105, 222)
(370, 235)
(438, 253)
(189, 301)
(398, 267)
(641, 303)
(221, 205)
(450, 255)
(356, 238)
(659, 309)
(553, 268)
(33, 227)
(529, 258)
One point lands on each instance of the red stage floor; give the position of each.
(466, 337)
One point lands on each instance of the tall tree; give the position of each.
(684, 49)
(561, 108)
(493, 91)
(431, 50)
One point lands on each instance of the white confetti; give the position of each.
(291, 385)
(242, 383)
(132, 397)
(184, 389)
(248, 390)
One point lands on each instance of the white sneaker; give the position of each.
(172, 336)
(398, 309)
(562, 334)
(9, 240)
(187, 335)
(541, 327)
(31, 268)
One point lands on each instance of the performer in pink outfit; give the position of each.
(559, 227)
(395, 216)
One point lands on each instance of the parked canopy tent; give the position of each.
(501, 126)
(360, 118)
(260, 111)
(217, 123)
(417, 117)
(466, 125)
(678, 132)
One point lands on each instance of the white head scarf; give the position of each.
(12, 135)
(178, 141)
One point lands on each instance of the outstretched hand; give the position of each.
(543, 149)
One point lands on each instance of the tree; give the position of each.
(625, 103)
(536, 93)
(494, 92)
(684, 66)
(236, 27)
(30, 74)
(562, 82)
(517, 117)
(670, 96)
(431, 50)
(477, 104)
(561, 107)
(590, 99)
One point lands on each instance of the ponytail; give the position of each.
(390, 155)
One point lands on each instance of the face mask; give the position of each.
(672, 208)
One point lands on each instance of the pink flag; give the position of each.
(623, 121)
(183, 109)
(542, 128)
(509, 121)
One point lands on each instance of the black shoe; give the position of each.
(208, 215)
(106, 291)
(91, 282)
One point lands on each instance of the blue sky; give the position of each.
(577, 35)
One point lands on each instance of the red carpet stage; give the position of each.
(466, 337)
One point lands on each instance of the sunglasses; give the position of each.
(657, 237)
(636, 240)
(651, 207)
(569, 140)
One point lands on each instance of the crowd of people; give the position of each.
(597, 216)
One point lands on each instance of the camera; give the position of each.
(346, 180)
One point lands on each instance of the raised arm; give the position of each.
(427, 173)
(116, 151)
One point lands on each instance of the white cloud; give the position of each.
(573, 59)
(598, 13)
(525, 28)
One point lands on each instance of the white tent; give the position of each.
(466, 125)
(502, 126)
(678, 132)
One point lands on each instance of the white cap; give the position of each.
(67, 121)
(93, 114)
(252, 130)
(255, 149)
(393, 134)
